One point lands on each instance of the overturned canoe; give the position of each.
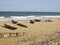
(32, 22)
(9, 27)
(37, 20)
(14, 22)
(22, 25)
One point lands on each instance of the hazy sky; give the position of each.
(30, 5)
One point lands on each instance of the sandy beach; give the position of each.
(34, 31)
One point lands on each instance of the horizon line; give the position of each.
(29, 11)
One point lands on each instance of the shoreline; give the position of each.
(2, 18)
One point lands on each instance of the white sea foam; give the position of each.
(2, 18)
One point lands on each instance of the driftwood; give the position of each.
(9, 27)
(9, 34)
(0, 35)
(13, 34)
(22, 25)
(37, 20)
(32, 22)
(14, 22)
(5, 35)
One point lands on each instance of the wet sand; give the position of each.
(37, 29)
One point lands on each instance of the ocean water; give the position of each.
(29, 13)
(26, 15)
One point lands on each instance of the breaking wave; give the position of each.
(2, 18)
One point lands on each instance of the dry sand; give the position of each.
(34, 30)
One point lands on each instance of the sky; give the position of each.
(30, 5)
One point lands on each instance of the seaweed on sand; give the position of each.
(49, 39)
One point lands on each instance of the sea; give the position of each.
(5, 16)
